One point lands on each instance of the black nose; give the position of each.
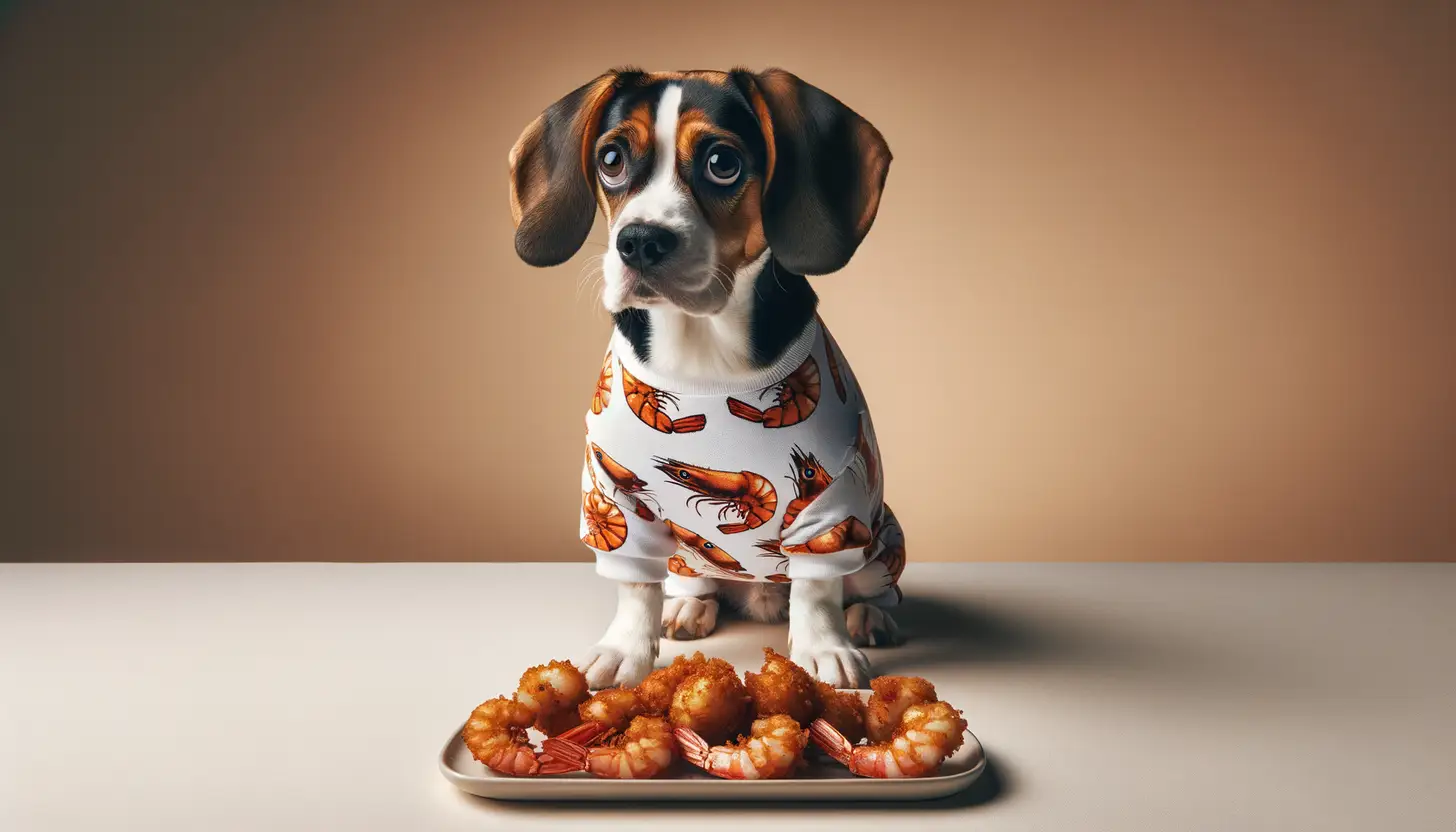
(643, 246)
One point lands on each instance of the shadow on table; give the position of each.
(994, 784)
(941, 631)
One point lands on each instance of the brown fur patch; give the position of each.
(739, 230)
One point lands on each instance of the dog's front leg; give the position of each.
(628, 648)
(818, 638)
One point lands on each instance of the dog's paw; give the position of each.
(684, 619)
(870, 626)
(606, 666)
(841, 666)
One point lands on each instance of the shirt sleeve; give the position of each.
(630, 542)
(830, 536)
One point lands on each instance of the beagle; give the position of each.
(729, 451)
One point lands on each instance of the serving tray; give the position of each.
(822, 779)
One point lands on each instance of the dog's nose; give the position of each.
(643, 245)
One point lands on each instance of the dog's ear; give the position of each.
(552, 197)
(826, 168)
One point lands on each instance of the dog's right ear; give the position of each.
(552, 197)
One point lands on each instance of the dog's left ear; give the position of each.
(552, 197)
(826, 169)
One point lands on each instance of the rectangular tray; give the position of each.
(823, 779)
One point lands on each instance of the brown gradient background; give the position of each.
(1164, 283)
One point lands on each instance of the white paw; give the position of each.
(607, 665)
(684, 619)
(870, 626)
(836, 664)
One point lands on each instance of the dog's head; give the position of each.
(700, 175)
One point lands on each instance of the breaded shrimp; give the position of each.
(496, 736)
(842, 709)
(553, 691)
(773, 750)
(923, 738)
(782, 687)
(712, 702)
(644, 750)
(655, 692)
(612, 708)
(892, 695)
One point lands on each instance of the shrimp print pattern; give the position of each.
(796, 398)
(727, 450)
(748, 494)
(646, 401)
(603, 395)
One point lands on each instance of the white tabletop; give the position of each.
(1108, 696)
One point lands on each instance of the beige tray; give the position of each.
(824, 779)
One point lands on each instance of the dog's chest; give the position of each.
(730, 471)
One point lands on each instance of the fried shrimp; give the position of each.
(613, 708)
(892, 695)
(711, 702)
(496, 736)
(773, 750)
(843, 710)
(644, 750)
(655, 692)
(552, 692)
(924, 736)
(782, 687)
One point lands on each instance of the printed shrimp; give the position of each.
(924, 738)
(773, 750)
(495, 734)
(677, 565)
(751, 496)
(647, 402)
(602, 396)
(625, 482)
(810, 480)
(644, 750)
(796, 397)
(605, 527)
(831, 357)
(705, 549)
(850, 533)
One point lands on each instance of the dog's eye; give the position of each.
(723, 165)
(612, 165)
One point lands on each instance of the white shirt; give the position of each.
(772, 479)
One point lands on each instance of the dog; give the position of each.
(722, 191)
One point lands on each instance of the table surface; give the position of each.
(1108, 696)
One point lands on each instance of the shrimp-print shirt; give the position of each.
(770, 480)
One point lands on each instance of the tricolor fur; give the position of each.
(721, 190)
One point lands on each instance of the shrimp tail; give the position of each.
(733, 528)
(744, 410)
(566, 756)
(690, 424)
(828, 738)
(566, 752)
(694, 747)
